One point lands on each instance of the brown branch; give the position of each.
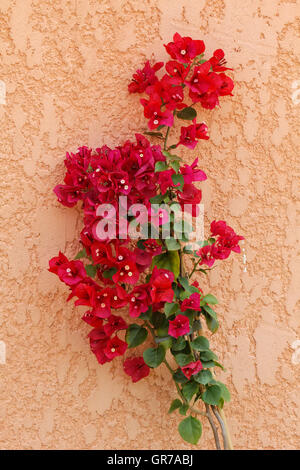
(213, 427)
(223, 429)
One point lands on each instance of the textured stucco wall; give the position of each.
(66, 65)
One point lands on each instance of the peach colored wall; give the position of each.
(66, 65)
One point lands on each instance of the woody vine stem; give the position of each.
(218, 412)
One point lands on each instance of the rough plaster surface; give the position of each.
(65, 66)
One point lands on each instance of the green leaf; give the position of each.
(169, 260)
(165, 342)
(108, 274)
(210, 299)
(200, 343)
(210, 311)
(154, 134)
(224, 390)
(170, 308)
(81, 254)
(160, 166)
(189, 390)
(140, 244)
(212, 323)
(135, 335)
(212, 395)
(179, 377)
(175, 165)
(190, 430)
(154, 356)
(178, 179)
(172, 244)
(163, 328)
(187, 113)
(221, 403)
(158, 198)
(175, 405)
(183, 409)
(208, 356)
(217, 364)
(91, 270)
(179, 344)
(208, 364)
(170, 156)
(146, 315)
(184, 359)
(203, 377)
(157, 319)
(187, 287)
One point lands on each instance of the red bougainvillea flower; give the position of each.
(184, 49)
(165, 180)
(192, 303)
(191, 369)
(152, 247)
(101, 253)
(161, 285)
(218, 227)
(136, 368)
(68, 195)
(189, 198)
(177, 71)
(179, 326)
(192, 173)
(71, 273)
(156, 116)
(206, 255)
(144, 77)
(92, 320)
(98, 342)
(85, 292)
(226, 86)
(190, 134)
(115, 347)
(188, 137)
(218, 62)
(165, 90)
(127, 273)
(57, 261)
(101, 302)
(200, 81)
(139, 300)
(114, 323)
(227, 240)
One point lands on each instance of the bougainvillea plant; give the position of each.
(135, 241)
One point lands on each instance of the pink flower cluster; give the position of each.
(226, 241)
(205, 81)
